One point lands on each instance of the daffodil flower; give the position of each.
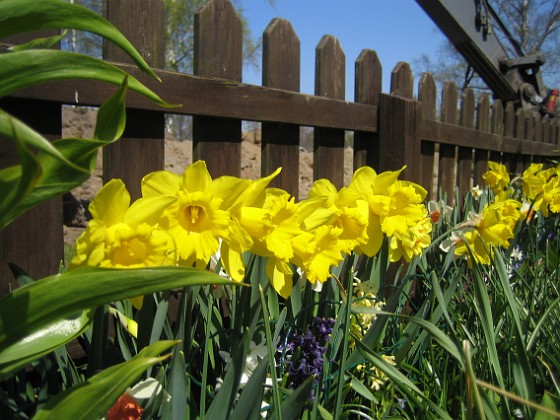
(438, 210)
(195, 219)
(121, 235)
(497, 177)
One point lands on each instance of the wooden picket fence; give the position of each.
(390, 130)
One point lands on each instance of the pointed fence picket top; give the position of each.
(447, 152)
(218, 52)
(367, 88)
(142, 143)
(281, 70)
(328, 143)
(399, 118)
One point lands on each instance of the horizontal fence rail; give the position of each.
(443, 147)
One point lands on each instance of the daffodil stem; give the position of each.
(207, 344)
(271, 362)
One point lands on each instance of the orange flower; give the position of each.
(126, 408)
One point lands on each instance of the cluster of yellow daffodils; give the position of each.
(481, 233)
(188, 219)
(541, 188)
(494, 225)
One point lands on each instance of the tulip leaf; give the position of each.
(43, 341)
(30, 308)
(93, 398)
(17, 17)
(31, 67)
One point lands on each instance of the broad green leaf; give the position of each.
(22, 69)
(111, 117)
(43, 341)
(39, 43)
(225, 398)
(293, 405)
(93, 398)
(18, 16)
(11, 127)
(551, 402)
(16, 183)
(71, 163)
(248, 405)
(30, 308)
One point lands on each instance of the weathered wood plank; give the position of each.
(484, 123)
(427, 96)
(281, 69)
(215, 97)
(218, 43)
(328, 144)
(465, 154)
(143, 139)
(447, 152)
(367, 89)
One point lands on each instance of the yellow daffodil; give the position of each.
(497, 177)
(195, 219)
(349, 213)
(317, 251)
(123, 235)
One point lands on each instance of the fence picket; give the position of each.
(483, 123)
(427, 96)
(447, 152)
(367, 89)
(328, 143)
(465, 154)
(143, 140)
(218, 44)
(281, 70)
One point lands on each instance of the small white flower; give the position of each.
(476, 192)
(438, 210)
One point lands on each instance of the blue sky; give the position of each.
(398, 30)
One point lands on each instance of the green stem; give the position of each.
(345, 336)
(272, 364)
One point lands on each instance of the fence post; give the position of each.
(367, 89)
(281, 69)
(141, 148)
(328, 143)
(399, 117)
(218, 43)
(34, 241)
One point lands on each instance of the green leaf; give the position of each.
(22, 69)
(248, 405)
(13, 128)
(293, 405)
(30, 308)
(94, 398)
(551, 402)
(43, 341)
(18, 16)
(223, 401)
(71, 163)
(111, 117)
(39, 43)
